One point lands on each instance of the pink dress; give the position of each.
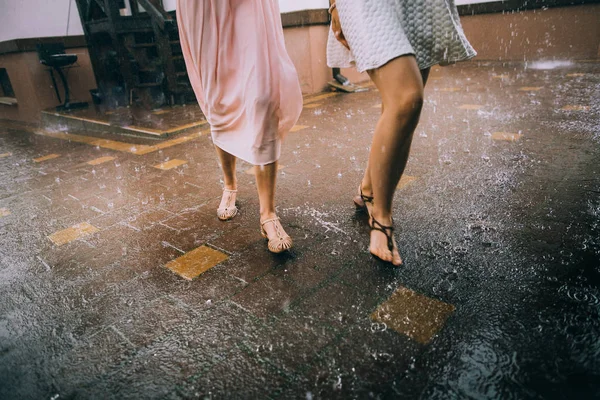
(241, 73)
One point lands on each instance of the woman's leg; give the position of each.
(227, 208)
(266, 176)
(401, 87)
(366, 186)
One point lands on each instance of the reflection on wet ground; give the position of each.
(117, 280)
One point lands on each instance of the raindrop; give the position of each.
(378, 327)
(338, 385)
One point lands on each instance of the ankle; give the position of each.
(367, 190)
(230, 186)
(382, 217)
(265, 215)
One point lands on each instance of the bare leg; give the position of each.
(401, 86)
(266, 176)
(367, 188)
(227, 208)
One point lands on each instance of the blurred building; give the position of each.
(128, 53)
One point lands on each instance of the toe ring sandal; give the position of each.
(388, 231)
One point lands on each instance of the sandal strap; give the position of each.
(366, 199)
(230, 190)
(384, 229)
(269, 220)
(278, 233)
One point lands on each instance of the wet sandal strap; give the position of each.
(384, 229)
(269, 220)
(366, 199)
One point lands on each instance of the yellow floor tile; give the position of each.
(196, 262)
(450, 89)
(132, 148)
(160, 112)
(297, 128)
(170, 143)
(93, 141)
(470, 107)
(318, 98)
(506, 136)
(114, 145)
(414, 315)
(530, 88)
(46, 158)
(314, 105)
(186, 126)
(73, 233)
(179, 140)
(170, 164)
(575, 108)
(252, 170)
(405, 181)
(3, 155)
(100, 160)
(4, 212)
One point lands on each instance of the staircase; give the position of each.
(136, 54)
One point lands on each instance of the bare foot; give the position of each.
(227, 209)
(279, 240)
(380, 246)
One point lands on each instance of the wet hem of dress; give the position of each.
(466, 57)
(253, 162)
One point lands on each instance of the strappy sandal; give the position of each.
(228, 212)
(361, 201)
(281, 242)
(388, 231)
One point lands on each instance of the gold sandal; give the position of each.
(228, 212)
(279, 244)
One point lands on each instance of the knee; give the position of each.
(407, 104)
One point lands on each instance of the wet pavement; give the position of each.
(118, 281)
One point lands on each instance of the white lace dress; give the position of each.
(378, 31)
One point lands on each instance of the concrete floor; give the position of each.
(499, 226)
